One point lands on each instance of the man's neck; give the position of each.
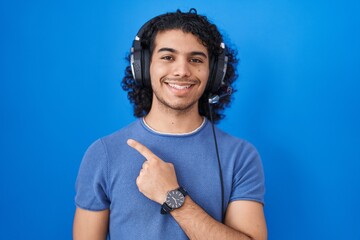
(174, 122)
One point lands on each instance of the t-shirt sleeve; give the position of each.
(91, 183)
(248, 178)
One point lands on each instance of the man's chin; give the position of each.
(179, 105)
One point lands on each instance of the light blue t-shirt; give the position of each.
(109, 169)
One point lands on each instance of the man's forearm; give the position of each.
(197, 224)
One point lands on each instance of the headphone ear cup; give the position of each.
(135, 60)
(218, 71)
(210, 83)
(146, 68)
(140, 59)
(140, 64)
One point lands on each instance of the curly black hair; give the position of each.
(198, 25)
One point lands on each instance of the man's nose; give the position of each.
(182, 68)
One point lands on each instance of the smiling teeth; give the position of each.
(179, 87)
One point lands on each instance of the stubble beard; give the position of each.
(179, 107)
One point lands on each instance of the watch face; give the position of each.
(175, 199)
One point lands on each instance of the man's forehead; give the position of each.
(176, 38)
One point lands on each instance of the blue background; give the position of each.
(61, 63)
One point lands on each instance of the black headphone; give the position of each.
(140, 63)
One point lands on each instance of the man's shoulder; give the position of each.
(233, 141)
(226, 136)
(122, 132)
(119, 136)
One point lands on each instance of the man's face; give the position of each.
(179, 70)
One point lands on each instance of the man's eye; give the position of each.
(168, 58)
(196, 60)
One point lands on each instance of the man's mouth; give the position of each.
(179, 87)
(180, 84)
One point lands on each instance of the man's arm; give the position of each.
(248, 217)
(244, 219)
(90, 225)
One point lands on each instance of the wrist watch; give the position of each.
(174, 199)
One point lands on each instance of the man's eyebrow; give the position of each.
(194, 53)
(199, 53)
(167, 50)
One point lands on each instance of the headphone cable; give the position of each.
(219, 163)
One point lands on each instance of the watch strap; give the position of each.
(183, 191)
(165, 209)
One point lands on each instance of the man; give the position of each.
(169, 175)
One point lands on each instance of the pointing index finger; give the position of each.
(141, 149)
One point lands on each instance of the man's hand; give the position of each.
(156, 177)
